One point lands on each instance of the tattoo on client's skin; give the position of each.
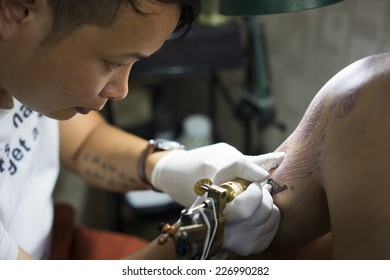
(309, 137)
(301, 165)
(106, 173)
(310, 120)
(345, 105)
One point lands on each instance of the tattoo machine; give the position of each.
(199, 232)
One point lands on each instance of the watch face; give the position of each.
(166, 145)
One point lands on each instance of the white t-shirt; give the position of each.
(29, 166)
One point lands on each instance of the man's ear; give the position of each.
(12, 14)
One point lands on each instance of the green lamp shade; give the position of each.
(265, 7)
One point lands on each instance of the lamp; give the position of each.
(264, 7)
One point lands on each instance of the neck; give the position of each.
(6, 101)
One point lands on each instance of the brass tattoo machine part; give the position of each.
(191, 231)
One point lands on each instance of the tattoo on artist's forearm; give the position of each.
(106, 173)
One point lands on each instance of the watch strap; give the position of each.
(150, 148)
(154, 145)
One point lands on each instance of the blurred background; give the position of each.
(250, 79)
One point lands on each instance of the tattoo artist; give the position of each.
(60, 62)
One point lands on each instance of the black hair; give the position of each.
(68, 15)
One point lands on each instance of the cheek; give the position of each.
(65, 82)
(85, 86)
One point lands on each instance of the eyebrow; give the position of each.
(136, 55)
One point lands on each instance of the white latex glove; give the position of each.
(252, 220)
(178, 171)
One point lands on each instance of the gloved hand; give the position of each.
(252, 220)
(177, 172)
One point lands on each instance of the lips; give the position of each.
(82, 110)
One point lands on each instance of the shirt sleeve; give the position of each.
(8, 247)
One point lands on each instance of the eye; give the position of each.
(111, 66)
(115, 66)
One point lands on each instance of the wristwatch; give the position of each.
(155, 145)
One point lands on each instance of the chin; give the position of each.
(61, 115)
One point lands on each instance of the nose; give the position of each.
(117, 88)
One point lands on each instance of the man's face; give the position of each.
(88, 67)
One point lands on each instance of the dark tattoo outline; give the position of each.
(345, 105)
(106, 173)
(299, 166)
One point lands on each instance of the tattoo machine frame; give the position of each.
(199, 232)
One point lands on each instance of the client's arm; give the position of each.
(337, 166)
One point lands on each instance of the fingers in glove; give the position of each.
(275, 218)
(245, 240)
(242, 168)
(262, 214)
(267, 187)
(268, 161)
(245, 205)
(265, 211)
(267, 226)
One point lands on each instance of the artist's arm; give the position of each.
(155, 251)
(23, 255)
(103, 155)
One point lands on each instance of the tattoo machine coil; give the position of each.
(199, 232)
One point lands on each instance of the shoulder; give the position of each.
(355, 166)
(374, 69)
